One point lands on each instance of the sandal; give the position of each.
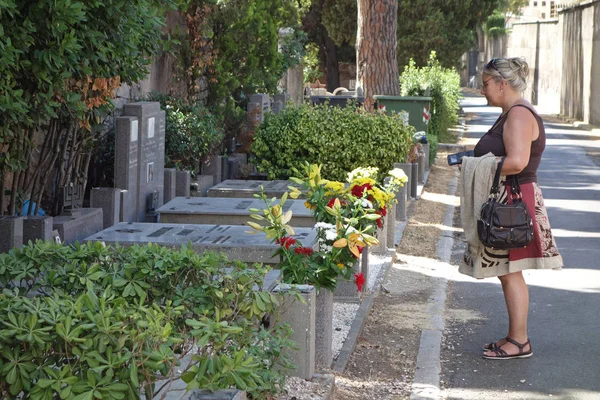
(503, 355)
(493, 346)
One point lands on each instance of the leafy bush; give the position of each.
(191, 132)
(339, 139)
(89, 321)
(443, 85)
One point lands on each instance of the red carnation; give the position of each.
(286, 242)
(307, 251)
(359, 190)
(380, 223)
(359, 279)
(382, 211)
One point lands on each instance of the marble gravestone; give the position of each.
(228, 239)
(229, 211)
(140, 158)
(248, 188)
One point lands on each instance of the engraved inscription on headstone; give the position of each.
(243, 205)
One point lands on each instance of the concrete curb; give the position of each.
(426, 382)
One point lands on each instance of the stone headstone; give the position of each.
(421, 168)
(300, 315)
(228, 239)
(263, 99)
(11, 233)
(183, 182)
(37, 228)
(170, 184)
(109, 200)
(240, 188)
(140, 155)
(126, 201)
(71, 199)
(205, 182)
(414, 180)
(282, 97)
(323, 330)
(214, 167)
(229, 211)
(254, 111)
(277, 107)
(127, 165)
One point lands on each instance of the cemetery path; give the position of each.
(563, 317)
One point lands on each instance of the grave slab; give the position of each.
(226, 211)
(248, 188)
(228, 239)
(72, 228)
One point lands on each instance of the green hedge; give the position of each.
(90, 321)
(339, 139)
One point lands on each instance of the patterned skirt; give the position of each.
(542, 253)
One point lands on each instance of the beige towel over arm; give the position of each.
(477, 178)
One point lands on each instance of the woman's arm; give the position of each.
(520, 129)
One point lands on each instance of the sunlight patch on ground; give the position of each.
(569, 233)
(574, 205)
(441, 198)
(572, 279)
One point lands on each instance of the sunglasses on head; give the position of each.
(492, 65)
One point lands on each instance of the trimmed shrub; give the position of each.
(191, 132)
(339, 139)
(442, 85)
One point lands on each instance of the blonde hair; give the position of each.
(513, 70)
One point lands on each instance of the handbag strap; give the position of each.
(515, 187)
(495, 190)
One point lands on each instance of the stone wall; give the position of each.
(564, 60)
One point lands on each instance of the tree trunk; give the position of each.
(377, 49)
(331, 63)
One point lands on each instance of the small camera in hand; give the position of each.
(456, 158)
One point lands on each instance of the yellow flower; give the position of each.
(353, 242)
(340, 266)
(309, 206)
(333, 187)
(294, 192)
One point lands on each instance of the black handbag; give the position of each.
(505, 226)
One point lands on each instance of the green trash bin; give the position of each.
(418, 108)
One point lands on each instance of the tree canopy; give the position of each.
(446, 26)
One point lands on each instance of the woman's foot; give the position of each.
(494, 345)
(509, 350)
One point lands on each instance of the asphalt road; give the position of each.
(564, 320)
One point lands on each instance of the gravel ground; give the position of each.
(343, 316)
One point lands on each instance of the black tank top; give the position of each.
(492, 142)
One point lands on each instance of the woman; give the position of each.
(519, 135)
